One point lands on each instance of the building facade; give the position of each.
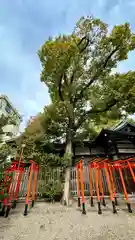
(11, 129)
(118, 142)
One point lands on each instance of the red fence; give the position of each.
(97, 179)
(11, 185)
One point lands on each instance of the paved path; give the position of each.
(55, 222)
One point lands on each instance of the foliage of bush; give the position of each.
(52, 190)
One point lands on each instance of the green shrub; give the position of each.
(52, 190)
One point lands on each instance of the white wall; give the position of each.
(9, 128)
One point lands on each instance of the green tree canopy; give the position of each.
(77, 69)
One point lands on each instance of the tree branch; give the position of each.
(109, 56)
(81, 51)
(72, 77)
(65, 79)
(97, 74)
(60, 88)
(86, 45)
(94, 111)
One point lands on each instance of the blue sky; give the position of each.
(26, 24)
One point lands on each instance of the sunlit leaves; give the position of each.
(77, 69)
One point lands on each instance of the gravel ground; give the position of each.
(54, 221)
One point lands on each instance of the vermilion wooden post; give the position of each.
(20, 175)
(125, 190)
(113, 185)
(131, 170)
(101, 186)
(2, 212)
(78, 184)
(91, 185)
(109, 188)
(35, 185)
(10, 190)
(97, 187)
(28, 190)
(82, 187)
(37, 182)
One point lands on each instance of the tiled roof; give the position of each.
(121, 125)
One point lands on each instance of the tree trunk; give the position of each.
(66, 193)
